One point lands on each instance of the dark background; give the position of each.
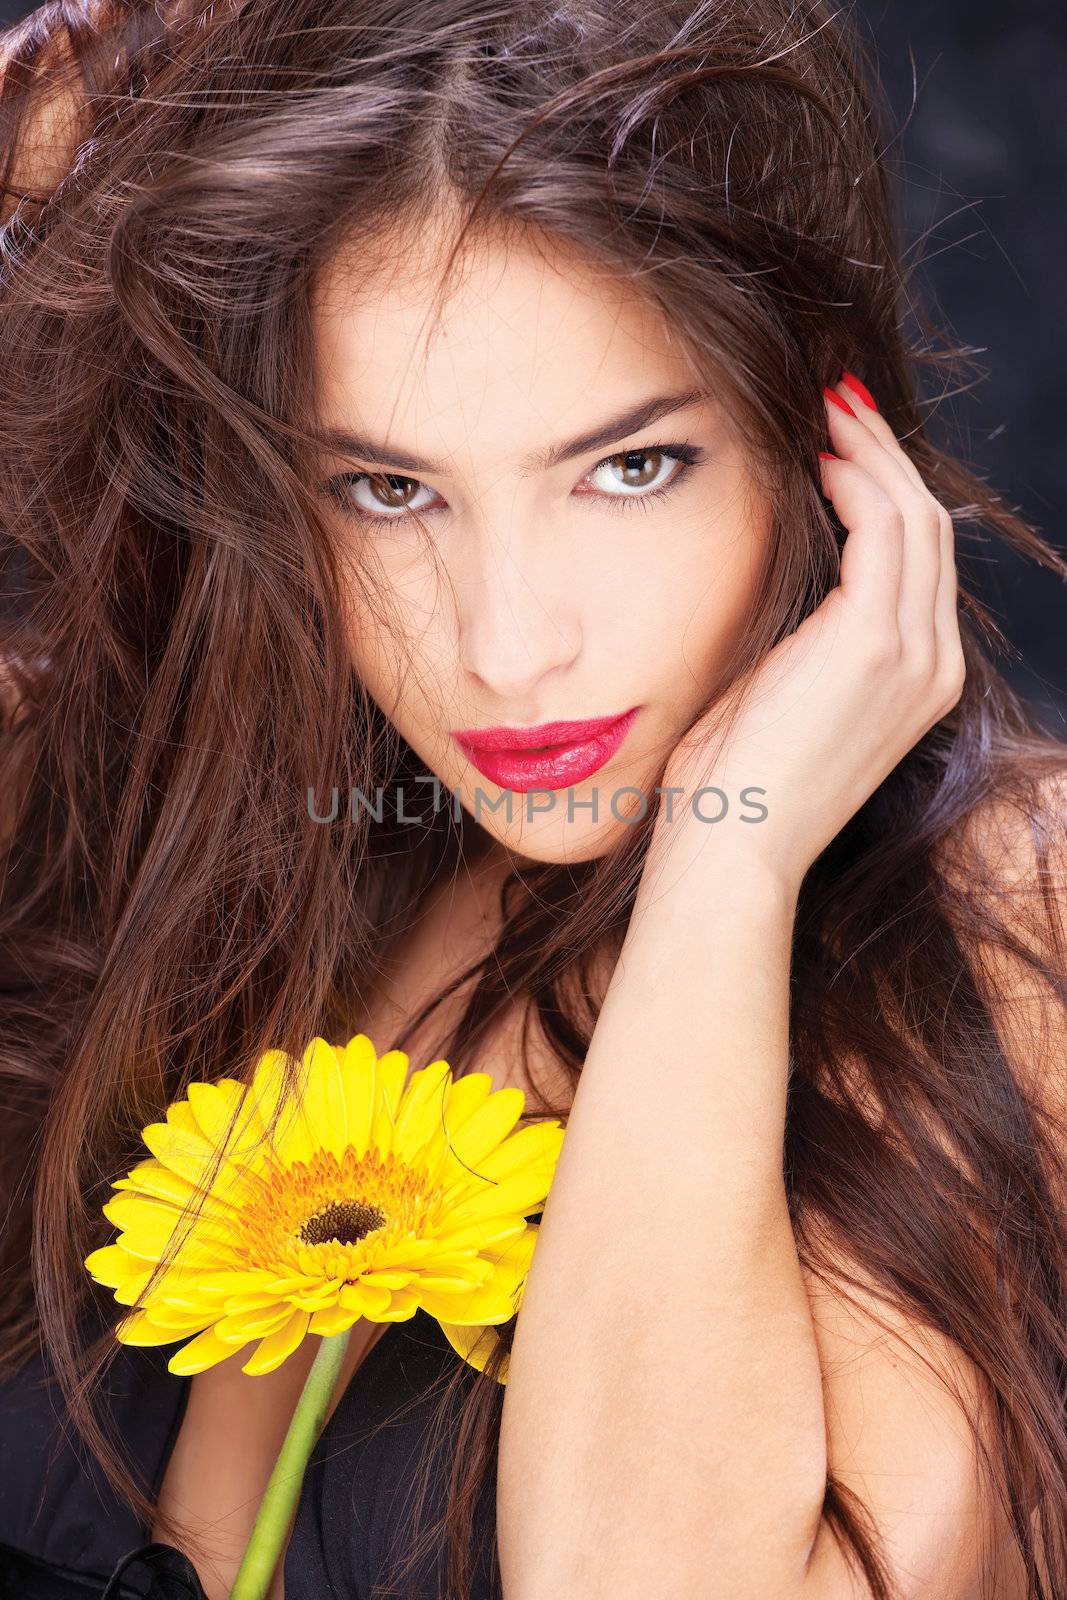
(977, 89)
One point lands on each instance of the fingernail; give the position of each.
(828, 455)
(837, 400)
(850, 380)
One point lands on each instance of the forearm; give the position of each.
(663, 1427)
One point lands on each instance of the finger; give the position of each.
(873, 553)
(884, 465)
(864, 404)
(921, 558)
(946, 601)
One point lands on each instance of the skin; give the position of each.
(754, 1378)
(804, 1380)
(566, 592)
(799, 1381)
(510, 612)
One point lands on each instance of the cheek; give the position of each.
(399, 647)
(686, 608)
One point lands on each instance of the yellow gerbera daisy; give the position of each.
(372, 1197)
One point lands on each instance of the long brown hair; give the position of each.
(177, 676)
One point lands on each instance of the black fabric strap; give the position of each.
(151, 1572)
(154, 1572)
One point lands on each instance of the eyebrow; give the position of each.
(626, 422)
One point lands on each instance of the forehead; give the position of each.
(530, 341)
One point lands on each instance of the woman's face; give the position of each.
(593, 533)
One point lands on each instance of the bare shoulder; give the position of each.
(1006, 834)
(1009, 860)
(910, 1418)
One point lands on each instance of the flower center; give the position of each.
(320, 1217)
(341, 1222)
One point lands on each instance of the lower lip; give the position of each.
(555, 768)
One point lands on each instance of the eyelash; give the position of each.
(685, 454)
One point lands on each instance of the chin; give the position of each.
(559, 845)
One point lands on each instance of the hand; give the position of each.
(831, 710)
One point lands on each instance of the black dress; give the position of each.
(65, 1535)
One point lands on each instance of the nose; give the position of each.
(518, 622)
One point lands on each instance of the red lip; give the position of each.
(576, 750)
(504, 738)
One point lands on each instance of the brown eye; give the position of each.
(380, 496)
(640, 474)
(639, 467)
(386, 489)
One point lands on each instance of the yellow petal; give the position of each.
(534, 1149)
(295, 1284)
(479, 1235)
(193, 1252)
(245, 1325)
(485, 1128)
(153, 1178)
(475, 1344)
(274, 1349)
(403, 1304)
(538, 1144)
(465, 1096)
(184, 1150)
(503, 1288)
(112, 1265)
(520, 1192)
(421, 1115)
(180, 1115)
(132, 1289)
(404, 1253)
(319, 1298)
(359, 1063)
(236, 1303)
(477, 1305)
(156, 1220)
(440, 1281)
(364, 1299)
(383, 1280)
(215, 1106)
(469, 1269)
(179, 1319)
(186, 1301)
(325, 1099)
(335, 1319)
(265, 1093)
(206, 1350)
(391, 1074)
(312, 1303)
(513, 1256)
(240, 1280)
(139, 1328)
(178, 1285)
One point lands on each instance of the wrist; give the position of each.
(707, 881)
(697, 943)
(728, 856)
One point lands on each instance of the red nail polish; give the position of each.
(828, 455)
(837, 400)
(850, 380)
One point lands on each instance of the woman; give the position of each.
(381, 376)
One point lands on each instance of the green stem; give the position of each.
(260, 1560)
